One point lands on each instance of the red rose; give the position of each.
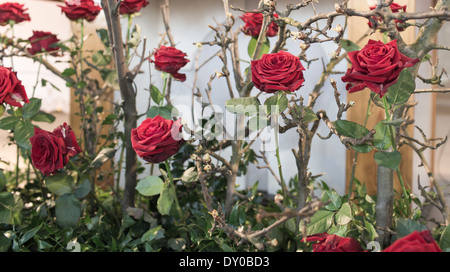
(170, 60)
(11, 88)
(394, 8)
(14, 12)
(376, 66)
(70, 141)
(156, 139)
(81, 9)
(42, 41)
(334, 243)
(280, 71)
(415, 242)
(47, 151)
(132, 6)
(253, 24)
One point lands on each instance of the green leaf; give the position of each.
(382, 137)
(390, 160)
(353, 130)
(150, 185)
(101, 59)
(165, 200)
(190, 175)
(234, 215)
(2, 110)
(400, 92)
(2, 180)
(344, 215)
(10, 208)
(406, 226)
(349, 46)
(68, 72)
(43, 117)
(265, 47)
(156, 95)
(371, 230)
(276, 103)
(153, 234)
(103, 36)
(444, 241)
(309, 115)
(29, 234)
(83, 189)
(135, 36)
(8, 122)
(258, 122)
(177, 244)
(320, 222)
(164, 112)
(31, 109)
(59, 184)
(23, 131)
(109, 120)
(67, 211)
(104, 155)
(334, 198)
(5, 242)
(247, 105)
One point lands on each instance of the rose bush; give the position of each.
(81, 9)
(376, 66)
(12, 91)
(156, 139)
(43, 41)
(13, 12)
(280, 71)
(170, 60)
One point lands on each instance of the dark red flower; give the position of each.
(81, 9)
(394, 8)
(51, 151)
(280, 71)
(376, 66)
(43, 41)
(70, 141)
(334, 243)
(415, 242)
(253, 24)
(170, 60)
(157, 139)
(13, 12)
(12, 91)
(132, 6)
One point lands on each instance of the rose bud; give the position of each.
(42, 41)
(170, 60)
(334, 243)
(157, 139)
(48, 151)
(12, 91)
(280, 71)
(132, 6)
(71, 145)
(81, 9)
(13, 12)
(253, 24)
(394, 8)
(376, 66)
(415, 242)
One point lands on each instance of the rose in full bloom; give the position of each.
(81, 9)
(157, 139)
(280, 71)
(43, 41)
(415, 242)
(376, 66)
(253, 24)
(12, 91)
(334, 243)
(394, 8)
(13, 12)
(169, 59)
(132, 6)
(70, 141)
